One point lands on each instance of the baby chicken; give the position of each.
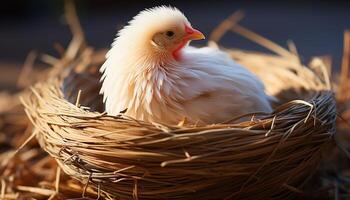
(151, 73)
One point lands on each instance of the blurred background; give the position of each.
(316, 27)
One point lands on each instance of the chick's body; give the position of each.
(161, 79)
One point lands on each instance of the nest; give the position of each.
(268, 156)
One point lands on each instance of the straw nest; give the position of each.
(269, 156)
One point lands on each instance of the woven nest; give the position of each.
(268, 157)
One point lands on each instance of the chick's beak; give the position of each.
(196, 35)
(193, 34)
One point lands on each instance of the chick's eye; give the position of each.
(169, 33)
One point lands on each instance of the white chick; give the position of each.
(153, 74)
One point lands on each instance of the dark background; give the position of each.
(315, 26)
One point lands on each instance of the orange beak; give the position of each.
(197, 35)
(193, 34)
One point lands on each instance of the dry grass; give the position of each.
(271, 156)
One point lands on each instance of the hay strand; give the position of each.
(344, 75)
(262, 41)
(226, 25)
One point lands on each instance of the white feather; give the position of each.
(205, 86)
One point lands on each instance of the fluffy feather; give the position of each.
(204, 86)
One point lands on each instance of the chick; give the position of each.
(153, 74)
